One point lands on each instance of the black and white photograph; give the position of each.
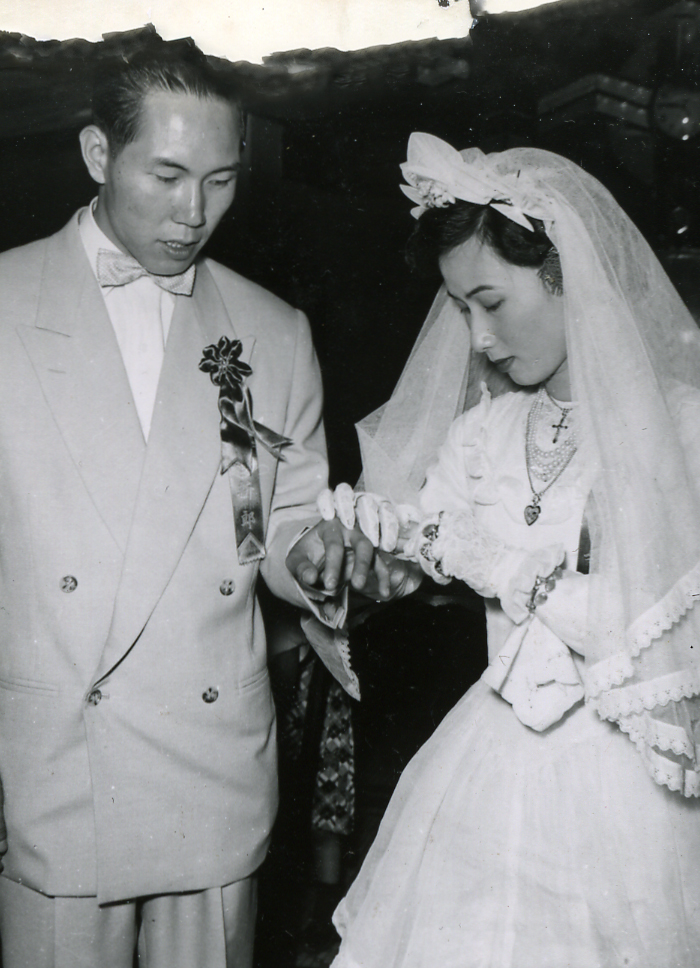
(350, 484)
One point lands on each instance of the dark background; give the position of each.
(319, 219)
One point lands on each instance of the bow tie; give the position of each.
(118, 269)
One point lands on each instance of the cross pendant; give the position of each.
(560, 426)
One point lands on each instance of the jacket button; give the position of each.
(227, 587)
(69, 583)
(94, 697)
(210, 695)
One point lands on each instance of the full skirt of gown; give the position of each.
(503, 847)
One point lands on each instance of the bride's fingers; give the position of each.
(344, 500)
(378, 519)
(388, 527)
(325, 505)
(367, 511)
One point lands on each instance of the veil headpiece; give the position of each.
(634, 359)
(438, 174)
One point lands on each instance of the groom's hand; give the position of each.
(330, 556)
(391, 577)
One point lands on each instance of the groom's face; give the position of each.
(163, 194)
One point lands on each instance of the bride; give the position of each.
(552, 820)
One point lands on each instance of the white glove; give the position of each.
(340, 503)
(446, 545)
(388, 526)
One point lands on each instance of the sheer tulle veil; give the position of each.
(634, 358)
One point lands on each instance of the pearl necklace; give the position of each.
(545, 465)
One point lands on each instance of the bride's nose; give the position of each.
(481, 339)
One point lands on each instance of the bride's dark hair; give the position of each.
(439, 230)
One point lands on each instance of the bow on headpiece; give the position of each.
(438, 175)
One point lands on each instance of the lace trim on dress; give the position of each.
(634, 699)
(666, 612)
(667, 773)
(613, 671)
(629, 707)
(664, 736)
(607, 673)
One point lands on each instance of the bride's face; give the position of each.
(511, 316)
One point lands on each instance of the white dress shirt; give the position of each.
(141, 313)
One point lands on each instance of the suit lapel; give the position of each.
(182, 461)
(78, 364)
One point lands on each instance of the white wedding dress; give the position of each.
(508, 845)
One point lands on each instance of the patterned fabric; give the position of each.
(118, 269)
(334, 797)
(333, 805)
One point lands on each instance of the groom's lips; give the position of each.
(179, 250)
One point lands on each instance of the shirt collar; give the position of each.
(94, 239)
(92, 236)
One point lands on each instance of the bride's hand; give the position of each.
(390, 527)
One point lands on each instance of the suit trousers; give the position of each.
(200, 929)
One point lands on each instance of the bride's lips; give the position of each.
(503, 365)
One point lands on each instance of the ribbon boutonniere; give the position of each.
(239, 433)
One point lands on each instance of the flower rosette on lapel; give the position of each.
(239, 434)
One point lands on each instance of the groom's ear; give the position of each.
(96, 154)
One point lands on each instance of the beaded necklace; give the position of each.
(545, 465)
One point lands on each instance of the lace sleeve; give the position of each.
(467, 552)
(452, 545)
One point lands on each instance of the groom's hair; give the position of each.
(176, 67)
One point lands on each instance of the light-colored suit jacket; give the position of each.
(137, 744)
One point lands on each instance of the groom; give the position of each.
(137, 747)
